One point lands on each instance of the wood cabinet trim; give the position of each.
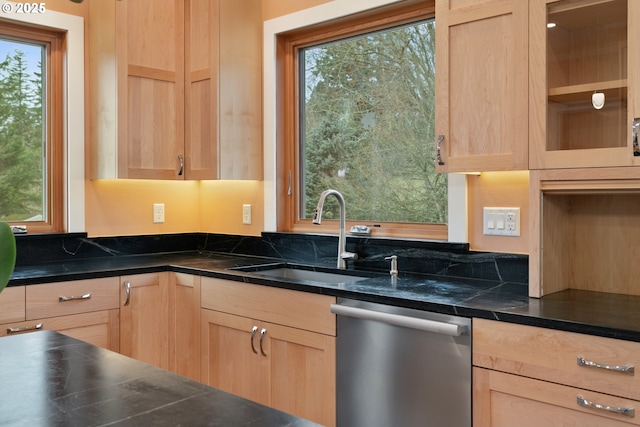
(275, 305)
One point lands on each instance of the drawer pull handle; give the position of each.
(625, 369)
(72, 298)
(263, 332)
(253, 334)
(438, 150)
(127, 292)
(629, 412)
(25, 329)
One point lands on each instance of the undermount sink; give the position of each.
(296, 273)
(315, 276)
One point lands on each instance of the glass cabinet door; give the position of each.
(583, 46)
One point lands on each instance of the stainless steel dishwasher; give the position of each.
(400, 367)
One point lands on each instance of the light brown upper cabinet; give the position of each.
(481, 85)
(158, 110)
(583, 99)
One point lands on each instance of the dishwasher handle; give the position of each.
(403, 321)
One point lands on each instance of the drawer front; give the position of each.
(554, 356)
(100, 328)
(12, 304)
(506, 400)
(281, 306)
(64, 298)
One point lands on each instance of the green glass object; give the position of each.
(7, 254)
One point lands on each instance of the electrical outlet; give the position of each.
(158, 213)
(501, 221)
(246, 214)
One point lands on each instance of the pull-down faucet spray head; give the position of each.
(343, 255)
(317, 214)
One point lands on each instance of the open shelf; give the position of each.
(613, 90)
(587, 13)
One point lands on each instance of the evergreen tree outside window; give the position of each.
(365, 124)
(31, 119)
(22, 138)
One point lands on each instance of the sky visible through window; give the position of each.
(33, 53)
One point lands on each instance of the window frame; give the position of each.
(73, 111)
(53, 41)
(288, 45)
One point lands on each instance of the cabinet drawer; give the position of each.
(506, 400)
(553, 356)
(80, 296)
(281, 306)
(99, 328)
(12, 304)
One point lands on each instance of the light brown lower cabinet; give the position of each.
(12, 306)
(144, 318)
(528, 376)
(83, 309)
(507, 400)
(269, 358)
(184, 325)
(160, 321)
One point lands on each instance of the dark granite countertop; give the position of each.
(51, 379)
(603, 314)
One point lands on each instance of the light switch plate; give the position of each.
(501, 221)
(246, 214)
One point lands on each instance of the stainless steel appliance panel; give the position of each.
(393, 372)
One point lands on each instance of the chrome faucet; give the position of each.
(394, 264)
(343, 255)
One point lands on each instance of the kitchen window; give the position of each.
(358, 117)
(31, 127)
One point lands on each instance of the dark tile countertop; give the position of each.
(59, 380)
(594, 313)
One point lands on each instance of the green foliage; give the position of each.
(7, 254)
(21, 140)
(369, 127)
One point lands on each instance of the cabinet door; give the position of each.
(481, 85)
(184, 325)
(12, 306)
(232, 358)
(144, 318)
(240, 106)
(150, 88)
(201, 89)
(578, 51)
(506, 400)
(303, 372)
